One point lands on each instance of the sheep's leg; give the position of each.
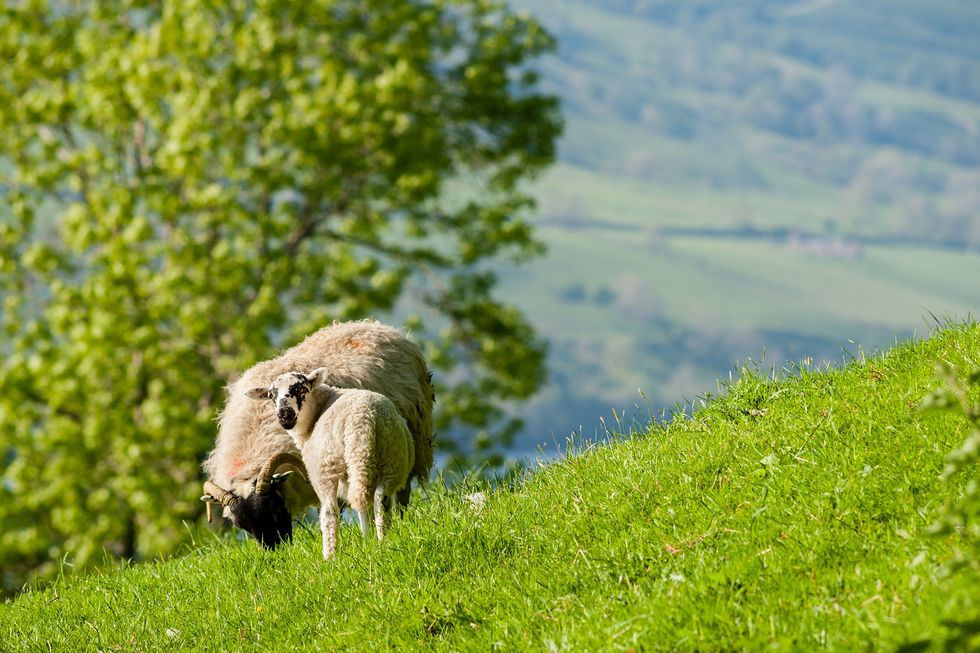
(380, 511)
(359, 498)
(329, 515)
(404, 495)
(364, 517)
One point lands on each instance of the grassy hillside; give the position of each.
(789, 514)
(740, 176)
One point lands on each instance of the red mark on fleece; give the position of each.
(353, 343)
(236, 465)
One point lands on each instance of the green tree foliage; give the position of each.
(187, 186)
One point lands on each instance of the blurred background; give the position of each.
(746, 180)
(587, 212)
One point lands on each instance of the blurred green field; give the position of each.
(671, 315)
(737, 178)
(568, 194)
(746, 283)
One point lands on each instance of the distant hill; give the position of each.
(796, 177)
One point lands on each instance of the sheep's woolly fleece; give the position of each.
(363, 354)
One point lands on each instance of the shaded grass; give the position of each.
(788, 513)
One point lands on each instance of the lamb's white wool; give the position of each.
(363, 354)
(353, 443)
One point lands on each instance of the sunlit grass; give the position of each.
(788, 514)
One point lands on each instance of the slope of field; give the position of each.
(789, 514)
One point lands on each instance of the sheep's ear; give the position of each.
(278, 479)
(259, 393)
(318, 376)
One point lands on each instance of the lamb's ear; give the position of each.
(259, 393)
(318, 376)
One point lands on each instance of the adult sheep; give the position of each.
(363, 354)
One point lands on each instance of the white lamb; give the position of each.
(353, 443)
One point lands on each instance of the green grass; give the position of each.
(788, 514)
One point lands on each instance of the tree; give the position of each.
(186, 187)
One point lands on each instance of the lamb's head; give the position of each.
(263, 513)
(289, 391)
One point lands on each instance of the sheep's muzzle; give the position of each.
(262, 513)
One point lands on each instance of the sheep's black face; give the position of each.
(264, 516)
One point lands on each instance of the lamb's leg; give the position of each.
(364, 517)
(359, 498)
(380, 511)
(329, 514)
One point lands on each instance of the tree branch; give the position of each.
(32, 395)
